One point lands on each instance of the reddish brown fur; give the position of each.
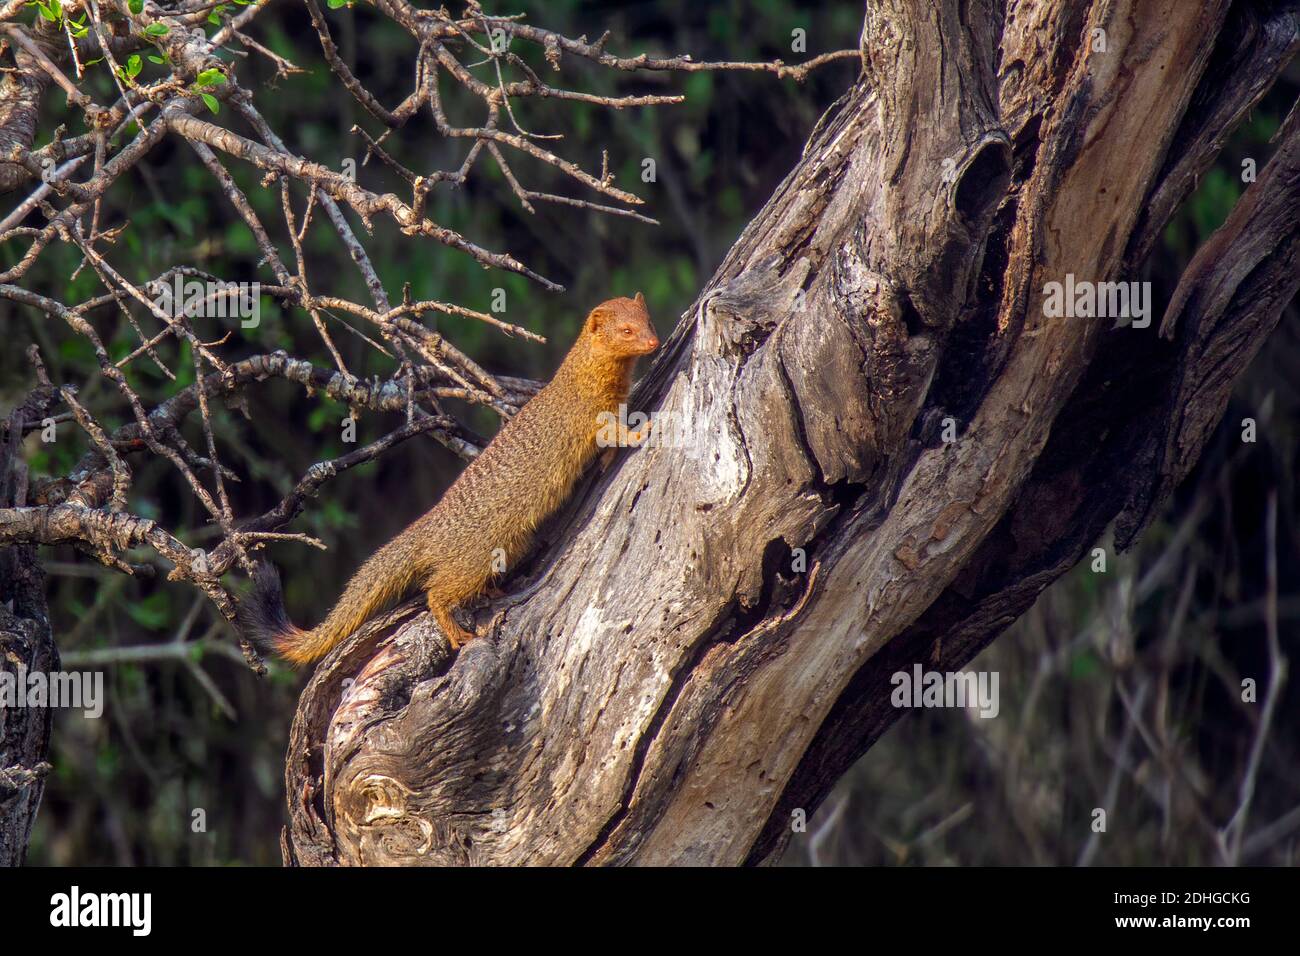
(521, 477)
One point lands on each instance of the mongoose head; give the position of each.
(621, 328)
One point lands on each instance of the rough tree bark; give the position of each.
(660, 684)
(26, 645)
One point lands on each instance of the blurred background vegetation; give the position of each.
(199, 731)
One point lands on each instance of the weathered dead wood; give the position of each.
(1131, 432)
(664, 684)
(26, 646)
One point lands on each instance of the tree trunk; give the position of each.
(880, 448)
(26, 646)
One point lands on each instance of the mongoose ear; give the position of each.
(640, 300)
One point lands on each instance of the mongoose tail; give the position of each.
(381, 581)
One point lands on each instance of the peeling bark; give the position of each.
(664, 682)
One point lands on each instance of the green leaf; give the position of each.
(156, 29)
(153, 612)
(134, 65)
(239, 241)
(75, 350)
(335, 4)
(135, 6)
(215, 16)
(154, 58)
(212, 77)
(211, 102)
(1084, 665)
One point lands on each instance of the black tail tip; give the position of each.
(261, 616)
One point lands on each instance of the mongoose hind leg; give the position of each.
(456, 634)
